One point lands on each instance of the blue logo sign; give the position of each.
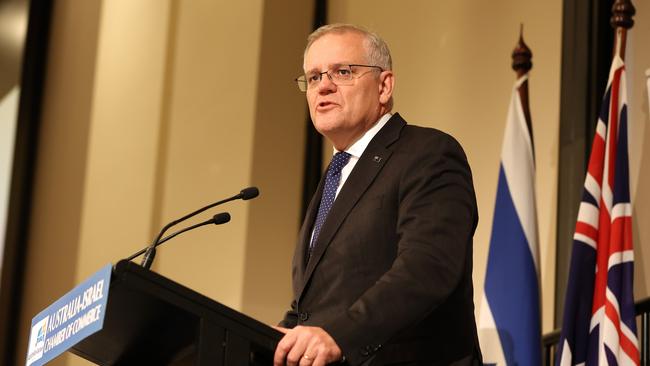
(70, 319)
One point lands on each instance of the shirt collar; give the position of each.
(357, 148)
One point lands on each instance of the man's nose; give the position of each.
(326, 84)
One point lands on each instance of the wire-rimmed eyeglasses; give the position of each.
(339, 75)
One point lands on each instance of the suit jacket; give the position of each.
(390, 277)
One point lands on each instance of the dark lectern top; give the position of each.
(152, 320)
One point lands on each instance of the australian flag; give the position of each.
(599, 324)
(509, 319)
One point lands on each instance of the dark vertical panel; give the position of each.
(29, 110)
(587, 42)
(313, 140)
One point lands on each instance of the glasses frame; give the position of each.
(303, 85)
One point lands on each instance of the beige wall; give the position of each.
(210, 140)
(155, 108)
(280, 120)
(152, 110)
(54, 240)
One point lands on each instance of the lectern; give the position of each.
(152, 320)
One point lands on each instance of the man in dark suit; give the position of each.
(382, 272)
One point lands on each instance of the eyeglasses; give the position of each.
(339, 75)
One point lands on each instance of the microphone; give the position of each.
(218, 219)
(150, 253)
(249, 193)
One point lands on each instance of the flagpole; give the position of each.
(521, 55)
(522, 64)
(621, 21)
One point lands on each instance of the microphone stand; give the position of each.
(218, 219)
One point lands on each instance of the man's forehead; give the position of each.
(335, 49)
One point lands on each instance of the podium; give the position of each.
(152, 320)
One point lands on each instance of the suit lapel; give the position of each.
(300, 256)
(364, 173)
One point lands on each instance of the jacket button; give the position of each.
(304, 316)
(365, 351)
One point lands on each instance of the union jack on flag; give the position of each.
(599, 324)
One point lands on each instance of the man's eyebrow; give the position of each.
(330, 67)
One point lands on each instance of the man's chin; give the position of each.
(326, 125)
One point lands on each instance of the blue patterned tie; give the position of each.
(332, 180)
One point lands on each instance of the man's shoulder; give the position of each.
(412, 131)
(416, 131)
(428, 137)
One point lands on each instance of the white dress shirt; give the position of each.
(357, 149)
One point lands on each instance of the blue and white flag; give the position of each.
(509, 318)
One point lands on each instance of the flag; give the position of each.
(599, 322)
(509, 319)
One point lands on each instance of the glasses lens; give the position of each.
(341, 75)
(302, 83)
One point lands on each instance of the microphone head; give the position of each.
(221, 218)
(249, 193)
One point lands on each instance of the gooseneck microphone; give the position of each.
(218, 219)
(150, 251)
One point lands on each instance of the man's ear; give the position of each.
(386, 84)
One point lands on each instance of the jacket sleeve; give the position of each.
(290, 318)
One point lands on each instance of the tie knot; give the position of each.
(339, 160)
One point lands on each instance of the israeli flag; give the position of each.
(509, 316)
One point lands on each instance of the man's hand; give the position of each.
(306, 346)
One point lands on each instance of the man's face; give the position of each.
(343, 113)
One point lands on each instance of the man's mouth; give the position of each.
(325, 105)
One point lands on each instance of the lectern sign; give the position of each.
(75, 316)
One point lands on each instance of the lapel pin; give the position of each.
(376, 159)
